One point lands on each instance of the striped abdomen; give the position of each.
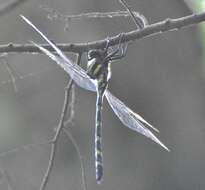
(98, 138)
(98, 70)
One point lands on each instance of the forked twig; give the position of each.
(58, 132)
(56, 137)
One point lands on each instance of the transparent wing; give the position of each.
(75, 71)
(131, 119)
(59, 52)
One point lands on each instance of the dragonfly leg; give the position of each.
(122, 49)
(120, 52)
(107, 44)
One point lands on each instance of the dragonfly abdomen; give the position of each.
(98, 137)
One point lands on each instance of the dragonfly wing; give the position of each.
(59, 52)
(76, 72)
(131, 119)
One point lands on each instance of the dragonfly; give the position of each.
(96, 79)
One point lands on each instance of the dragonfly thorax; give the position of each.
(97, 65)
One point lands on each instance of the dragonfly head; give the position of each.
(98, 54)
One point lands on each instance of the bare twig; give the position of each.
(72, 101)
(56, 137)
(139, 20)
(11, 74)
(72, 106)
(10, 70)
(9, 6)
(58, 132)
(150, 30)
(55, 15)
(70, 136)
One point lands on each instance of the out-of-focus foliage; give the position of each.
(199, 6)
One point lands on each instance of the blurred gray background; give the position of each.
(161, 78)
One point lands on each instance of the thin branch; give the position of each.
(10, 70)
(71, 106)
(56, 137)
(11, 74)
(70, 136)
(10, 6)
(139, 20)
(58, 132)
(150, 30)
(55, 15)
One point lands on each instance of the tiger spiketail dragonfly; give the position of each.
(96, 79)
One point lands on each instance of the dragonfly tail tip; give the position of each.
(99, 182)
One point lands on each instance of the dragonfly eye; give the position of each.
(96, 54)
(92, 54)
